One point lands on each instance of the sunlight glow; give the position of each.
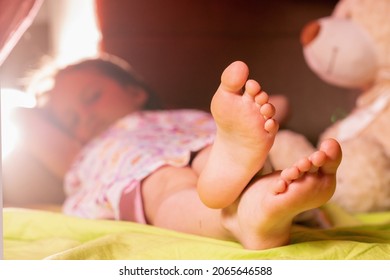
(74, 29)
(75, 35)
(10, 99)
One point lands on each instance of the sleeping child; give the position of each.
(207, 174)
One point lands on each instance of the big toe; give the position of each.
(333, 151)
(235, 76)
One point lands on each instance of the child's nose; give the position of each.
(309, 32)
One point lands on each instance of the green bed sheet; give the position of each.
(34, 234)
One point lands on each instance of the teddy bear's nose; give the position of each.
(309, 32)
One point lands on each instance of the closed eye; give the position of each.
(90, 97)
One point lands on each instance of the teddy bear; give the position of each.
(351, 48)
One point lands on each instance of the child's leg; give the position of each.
(172, 201)
(245, 134)
(261, 218)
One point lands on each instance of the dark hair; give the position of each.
(117, 69)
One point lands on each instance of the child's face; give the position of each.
(85, 102)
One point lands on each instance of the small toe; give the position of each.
(318, 158)
(290, 174)
(304, 165)
(280, 186)
(271, 126)
(267, 110)
(261, 98)
(252, 88)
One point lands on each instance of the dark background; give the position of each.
(180, 47)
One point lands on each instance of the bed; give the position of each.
(45, 234)
(48, 234)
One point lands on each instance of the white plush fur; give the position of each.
(363, 180)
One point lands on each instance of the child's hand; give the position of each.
(44, 140)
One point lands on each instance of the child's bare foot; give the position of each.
(245, 134)
(263, 216)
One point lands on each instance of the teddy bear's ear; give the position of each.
(340, 52)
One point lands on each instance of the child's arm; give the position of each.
(46, 142)
(33, 172)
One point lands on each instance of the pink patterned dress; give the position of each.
(109, 170)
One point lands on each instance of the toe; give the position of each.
(267, 110)
(280, 187)
(252, 88)
(290, 174)
(261, 98)
(271, 126)
(304, 165)
(234, 77)
(333, 153)
(318, 158)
